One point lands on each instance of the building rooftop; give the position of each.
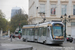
(16, 8)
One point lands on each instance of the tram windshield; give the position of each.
(57, 31)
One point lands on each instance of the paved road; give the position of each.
(39, 46)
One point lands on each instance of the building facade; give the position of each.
(15, 10)
(52, 10)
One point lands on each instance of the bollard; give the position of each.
(74, 40)
(65, 41)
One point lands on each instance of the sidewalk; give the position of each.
(65, 41)
(15, 47)
(74, 40)
(8, 45)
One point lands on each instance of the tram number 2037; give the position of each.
(49, 33)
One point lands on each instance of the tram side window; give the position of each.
(27, 31)
(39, 31)
(23, 32)
(48, 32)
(31, 32)
(44, 31)
(36, 31)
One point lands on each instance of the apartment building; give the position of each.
(15, 11)
(52, 10)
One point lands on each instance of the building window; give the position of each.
(74, 10)
(72, 23)
(64, 9)
(42, 8)
(53, 9)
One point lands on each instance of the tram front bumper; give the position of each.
(58, 41)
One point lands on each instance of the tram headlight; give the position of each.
(54, 36)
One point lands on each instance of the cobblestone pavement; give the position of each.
(39, 46)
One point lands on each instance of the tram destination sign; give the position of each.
(57, 25)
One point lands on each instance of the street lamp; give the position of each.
(65, 20)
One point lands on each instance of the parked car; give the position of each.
(69, 38)
(16, 34)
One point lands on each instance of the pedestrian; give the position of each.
(11, 37)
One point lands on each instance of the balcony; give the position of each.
(64, 1)
(53, 1)
(42, 0)
(73, 1)
(72, 16)
(46, 0)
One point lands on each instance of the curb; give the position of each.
(16, 47)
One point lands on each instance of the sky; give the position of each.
(7, 5)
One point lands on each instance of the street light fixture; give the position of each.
(65, 15)
(69, 16)
(65, 20)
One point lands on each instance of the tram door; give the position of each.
(48, 36)
(27, 33)
(36, 34)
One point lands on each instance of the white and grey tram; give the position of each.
(47, 33)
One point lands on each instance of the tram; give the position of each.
(47, 33)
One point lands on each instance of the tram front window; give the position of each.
(57, 31)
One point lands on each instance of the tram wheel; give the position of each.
(44, 42)
(70, 41)
(23, 40)
(36, 40)
(26, 40)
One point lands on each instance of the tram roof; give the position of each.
(28, 26)
(46, 23)
(41, 25)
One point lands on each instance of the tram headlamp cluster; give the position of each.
(49, 24)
